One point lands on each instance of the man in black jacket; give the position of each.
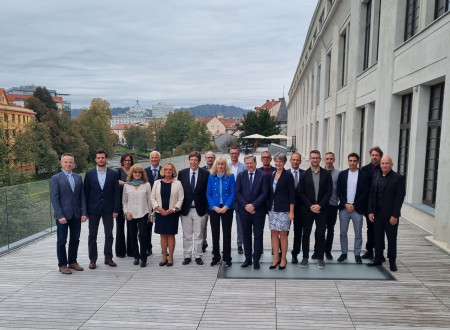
(352, 190)
(314, 189)
(385, 202)
(296, 160)
(372, 169)
(195, 206)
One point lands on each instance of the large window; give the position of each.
(433, 144)
(343, 52)
(440, 7)
(411, 18)
(367, 34)
(328, 74)
(405, 127)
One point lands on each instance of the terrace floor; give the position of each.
(33, 294)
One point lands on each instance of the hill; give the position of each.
(208, 110)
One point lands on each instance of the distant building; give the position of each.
(282, 116)
(13, 120)
(273, 106)
(219, 125)
(135, 115)
(18, 95)
(162, 110)
(120, 129)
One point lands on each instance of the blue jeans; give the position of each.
(74, 225)
(344, 218)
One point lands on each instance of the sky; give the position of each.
(182, 52)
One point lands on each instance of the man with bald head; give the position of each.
(385, 202)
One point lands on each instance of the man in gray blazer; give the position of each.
(69, 204)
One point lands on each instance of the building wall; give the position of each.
(356, 73)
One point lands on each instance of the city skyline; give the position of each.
(185, 53)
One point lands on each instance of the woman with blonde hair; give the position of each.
(167, 197)
(137, 208)
(220, 194)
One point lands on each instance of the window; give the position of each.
(318, 85)
(433, 144)
(440, 7)
(361, 134)
(321, 21)
(411, 18)
(367, 35)
(5, 117)
(343, 60)
(328, 75)
(405, 127)
(13, 118)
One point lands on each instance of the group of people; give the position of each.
(138, 198)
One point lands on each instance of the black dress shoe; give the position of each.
(240, 250)
(294, 259)
(215, 262)
(374, 263)
(169, 264)
(367, 255)
(136, 261)
(273, 267)
(392, 266)
(246, 263)
(256, 265)
(199, 261)
(143, 263)
(163, 263)
(186, 261)
(281, 267)
(228, 263)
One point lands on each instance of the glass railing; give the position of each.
(26, 213)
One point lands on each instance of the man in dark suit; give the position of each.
(296, 160)
(385, 202)
(352, 190)
(251, 193)
(69, 204)
(314, 189)
(266, 159)
(101, 188)
(195, 206)
(372, 169)
(153, 174)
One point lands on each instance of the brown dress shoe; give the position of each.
(92, 265)
(75, 266)
(65, 270)
(110, 262)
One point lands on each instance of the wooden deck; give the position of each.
(33, 294)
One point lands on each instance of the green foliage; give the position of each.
(94, 126)
(197, 138)
(259, 123)
(45, 97)
(33, 146)
(9, 175)
(37, 106)
(175, 131)
(136, 137)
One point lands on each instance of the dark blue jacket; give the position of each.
(102, 201)
(67, 204)
(362, 191)
(213, 191)
(284, 195)
(257, 195)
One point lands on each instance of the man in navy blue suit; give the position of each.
(67, 197)
(101, 188)
(251, 193)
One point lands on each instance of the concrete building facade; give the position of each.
(374, 72)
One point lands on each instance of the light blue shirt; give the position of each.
(101, 176)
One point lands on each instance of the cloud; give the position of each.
(184, 52)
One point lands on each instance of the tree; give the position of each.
(37, 106)
(33, 146)
(9, 175)
(197, 138)
(45, 97)
(136, 137)
(175, 131)
(259, 123)
(94, 125)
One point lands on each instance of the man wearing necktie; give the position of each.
(195, 206)
(296, 160)
(69, 204)
(153, 174)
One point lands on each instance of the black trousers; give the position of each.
(370, 244)
(331, 222)
(108, 225)
(149, 229)
(122, 245)
(321, 224)
(298, 229)
(227, 222)
(382, 226)
(138, 228)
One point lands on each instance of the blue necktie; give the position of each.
(193, 182)
(72, 182)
